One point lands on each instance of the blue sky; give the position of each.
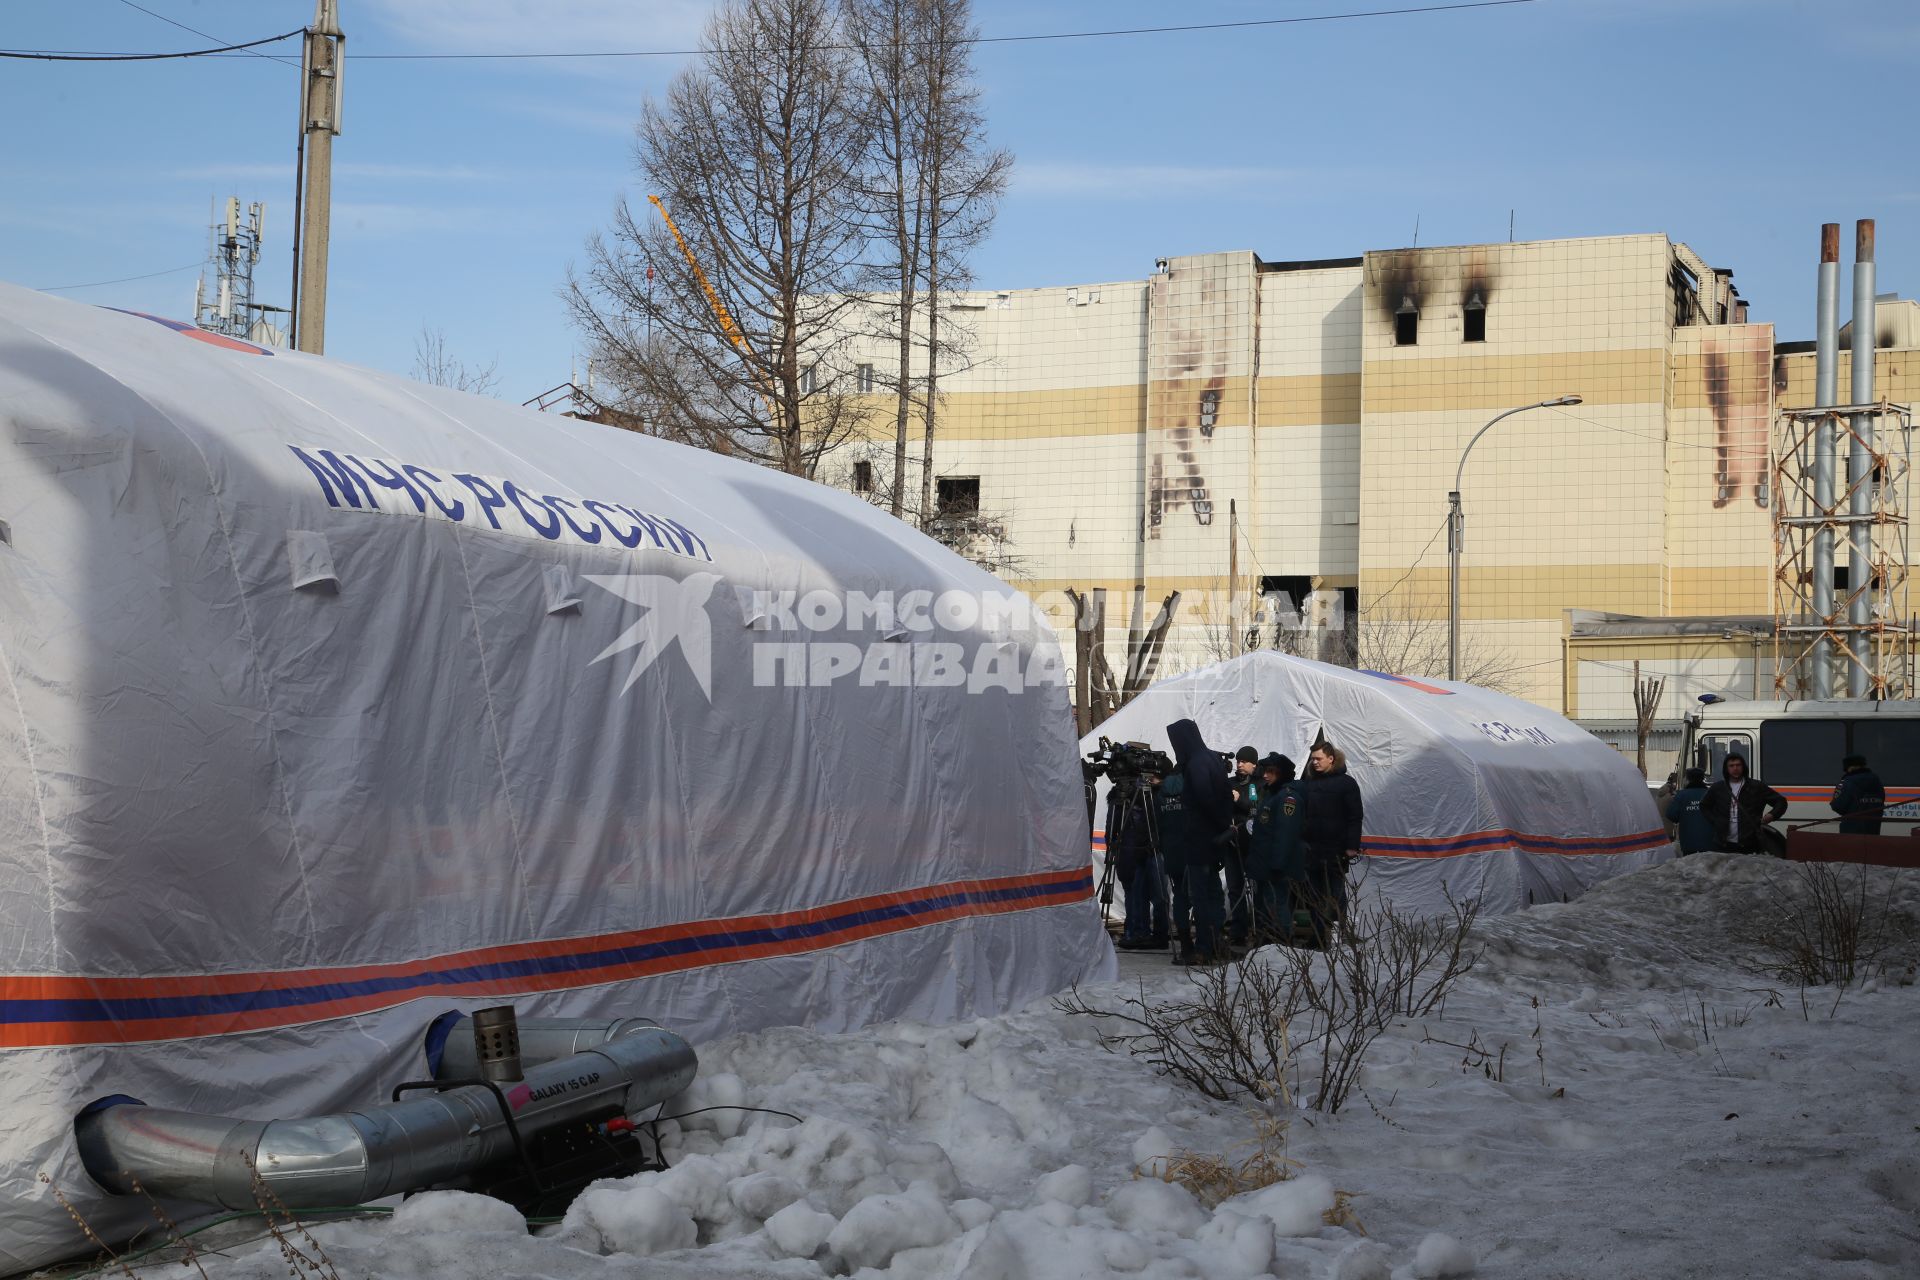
(465, 189)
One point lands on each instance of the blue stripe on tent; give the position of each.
(130, 1009)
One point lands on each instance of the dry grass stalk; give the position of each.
(1826, 923)
(86, 1228)
(1216, 1178)
(285, 1229)
(190, 1255)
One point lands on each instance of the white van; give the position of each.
(1796, 748)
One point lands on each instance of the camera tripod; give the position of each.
(1129, 807)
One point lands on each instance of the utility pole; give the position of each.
(1233, 577)
(319, 124)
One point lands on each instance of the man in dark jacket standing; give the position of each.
(1739, 807)
(1332, 836)
(1246, 799)
(1206, 830)
(1694, 829)
(1276, 853)
(1859, 792)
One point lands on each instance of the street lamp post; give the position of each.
(1457, 527)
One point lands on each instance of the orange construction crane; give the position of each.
(727, 326)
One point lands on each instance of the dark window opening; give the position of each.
(1286, 597)
(959, 495)
(1406, 324)
(1686, 294)
(863, 477)
(863, 378)
(1843, 578)
(1474, 320)
(1349, 650)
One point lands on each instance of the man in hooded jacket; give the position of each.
(1740, 807)
(1205, 831)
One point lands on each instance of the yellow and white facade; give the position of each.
(1314, 414)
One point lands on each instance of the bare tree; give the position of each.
(1400, 636)
(734, 343)
(964, 181)
(434, 364)
(884, 34)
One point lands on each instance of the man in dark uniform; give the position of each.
(1276, 850)
(1859, 793)
(1693, 828)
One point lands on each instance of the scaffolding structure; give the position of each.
(223, 295)
(1871, 646)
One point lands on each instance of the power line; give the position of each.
(67, 55)
(207, 35)
(95, 284)
(77, 56)
(1053, 35)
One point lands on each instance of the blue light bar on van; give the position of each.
(1711, 698)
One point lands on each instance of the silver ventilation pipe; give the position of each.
(452, 1054)
(355, 1157)
(1860, 672)
(1826, 378)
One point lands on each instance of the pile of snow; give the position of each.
(1606, 1095)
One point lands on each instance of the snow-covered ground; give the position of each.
(1659, 1112)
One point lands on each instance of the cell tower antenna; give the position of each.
(223, 300)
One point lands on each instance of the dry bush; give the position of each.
(1240, 1031)
(1227, 1036)
(1826, 923)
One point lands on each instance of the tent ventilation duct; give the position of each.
(405, 1145)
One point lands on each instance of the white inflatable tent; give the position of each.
(1467, 792)
(332, 701)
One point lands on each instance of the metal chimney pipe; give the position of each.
(1826, 378)
(496, 1044)
(1860, 463)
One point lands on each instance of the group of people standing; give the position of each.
(1736, 813)
(1234, 856)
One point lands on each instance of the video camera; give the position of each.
(1125, 761)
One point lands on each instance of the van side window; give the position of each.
(1801, 753)
(1892, 748)
(1714, 749)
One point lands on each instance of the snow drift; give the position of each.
(332, 700)
(1468, 792)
